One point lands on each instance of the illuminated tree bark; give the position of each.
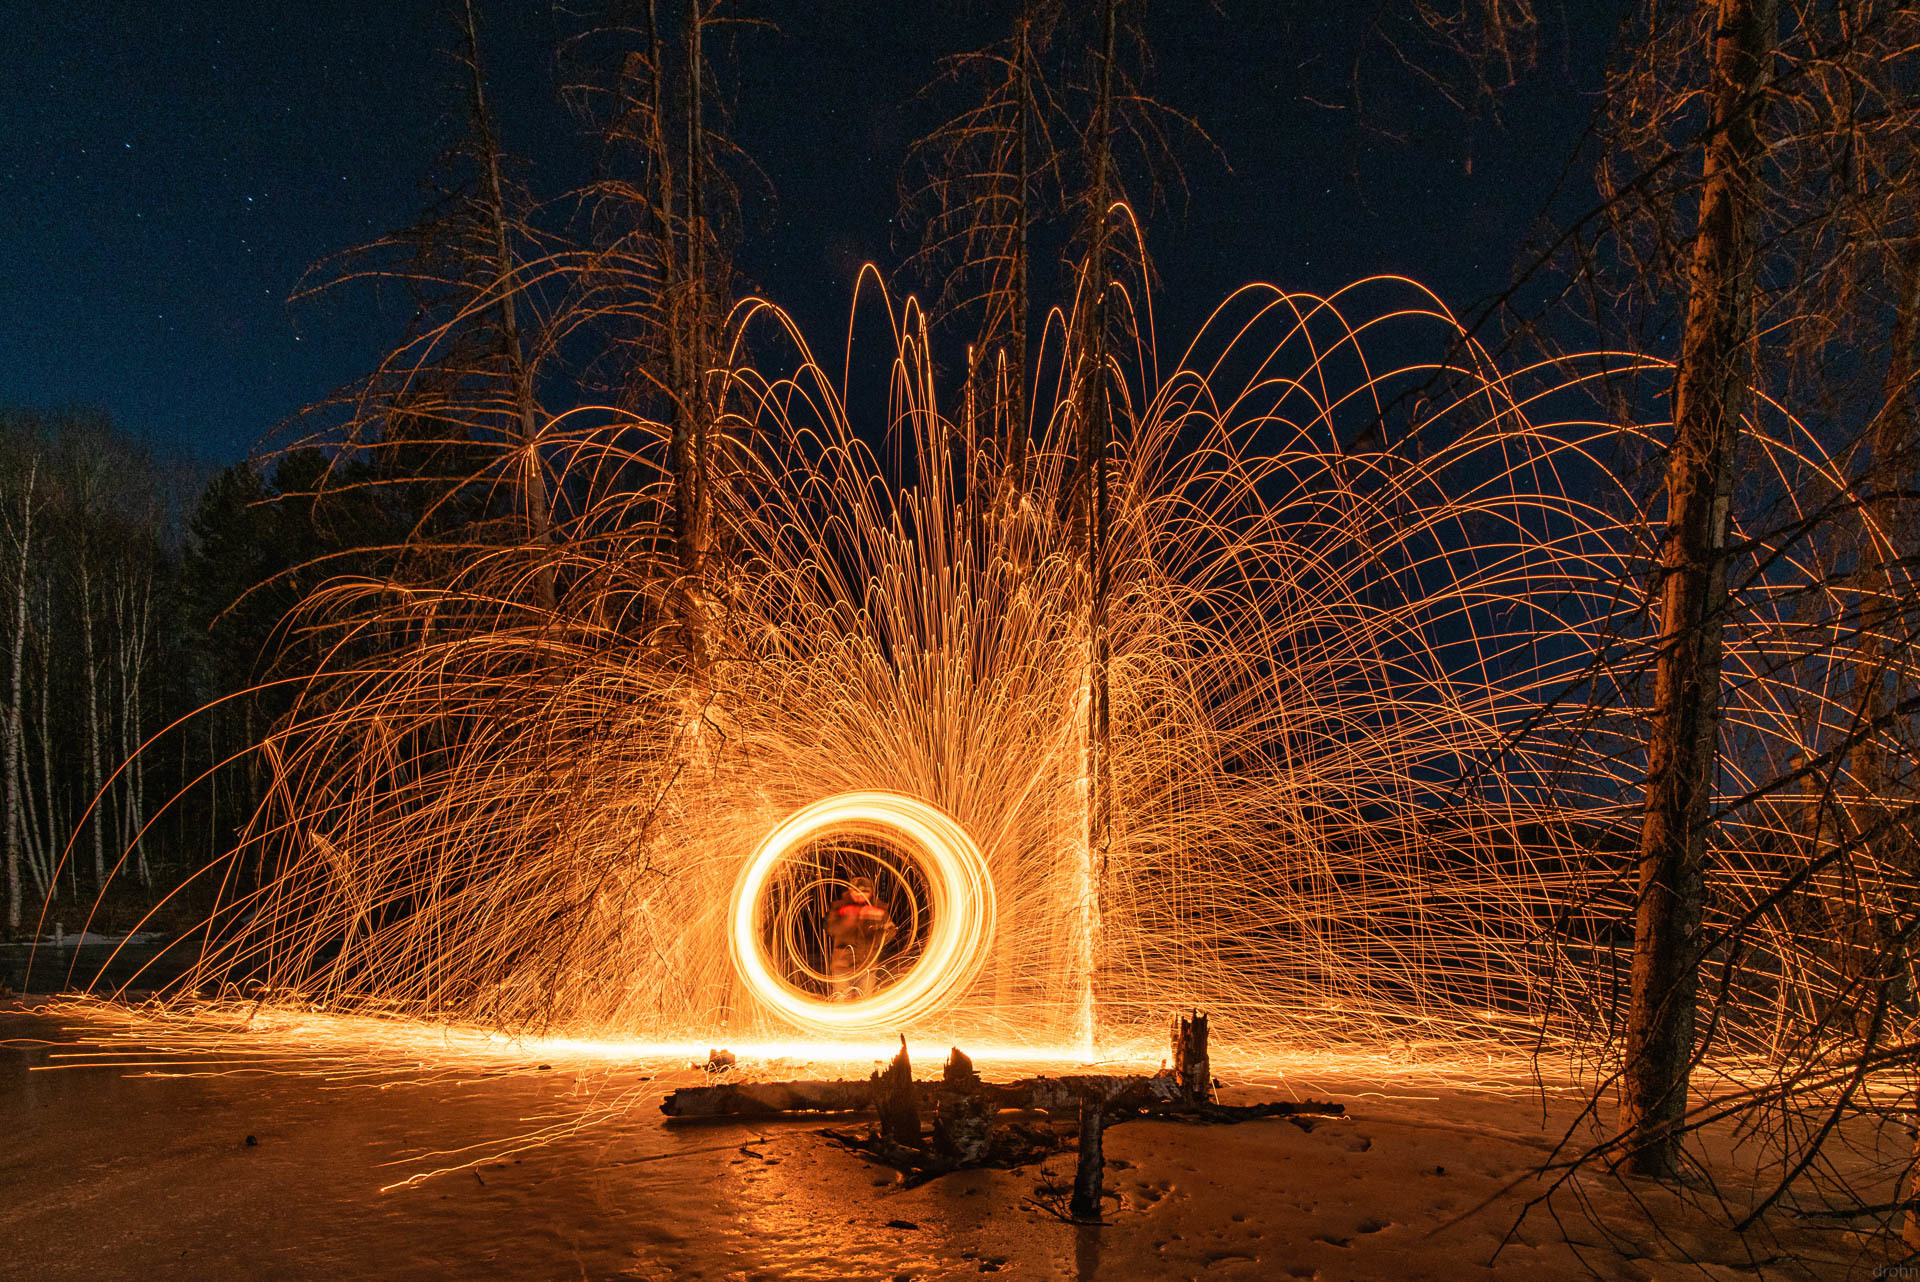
(982, 186)
(1096, 448)
(1709, 398)
(658, 213)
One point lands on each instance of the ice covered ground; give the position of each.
(272, 1167)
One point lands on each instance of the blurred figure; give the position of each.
(857, 926)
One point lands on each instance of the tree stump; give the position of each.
(896, 1101)
(962, 1113)
(1192, 1070)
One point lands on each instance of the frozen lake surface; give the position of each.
(108, 1174)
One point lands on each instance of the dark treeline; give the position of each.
(143, 604)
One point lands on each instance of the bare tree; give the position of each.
(974, 188)
(46, 836)
(1755, 167)
(504, 289)
(1044, 115)
(658, 281)
(1710, 391)
(85, 475)
(451, 427)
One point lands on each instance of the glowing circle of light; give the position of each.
(961, 905)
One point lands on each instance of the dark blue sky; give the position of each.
(168, 172)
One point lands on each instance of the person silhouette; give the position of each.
(857, 926)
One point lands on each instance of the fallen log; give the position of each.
(1041, 1094)
(1158, 1095)
(769, 1099)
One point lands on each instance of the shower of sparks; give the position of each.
(1378, 663)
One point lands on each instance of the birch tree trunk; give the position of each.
(15, 820)
(1709, 398)
(121, 597)
(48, 829)
(96, 815)
(133, 662)
(34, 837)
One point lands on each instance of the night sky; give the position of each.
(169, 172)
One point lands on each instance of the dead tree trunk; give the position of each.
(1013, 399)
(1156, 1096)
(1709, 398)
(1096, 447)
(1091, 1168)
(688, 319)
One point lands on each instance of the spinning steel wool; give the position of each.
(960, 905)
